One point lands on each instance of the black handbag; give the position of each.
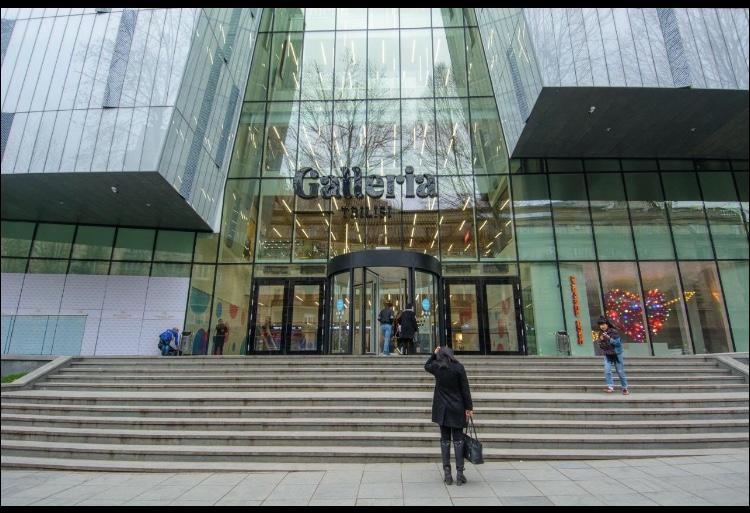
(472, 446)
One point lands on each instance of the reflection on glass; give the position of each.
(501, 318)
(339, 314)
(743, 187)
(315, 133)
(479, 77)
(449, 56)
(383, 64)
(531, 205)
(16, 238)
(609, 210)
(542, 312)
(350, 137)
(275, 221)
(238, 221)
(231, 303)
(623, 305)
(257, 84)
(134, 244)
(724, 215)
(488, 143)
(368, 343)
(269, 318)
(734, 278)
(174, 246)
(708, 318)
(53, 240)
(280, 156)
(420, 217)
(452, 131)
(291, 18)
(464, 328)
(570, 208)
(320, 18)
(583, 305)
(249, 142)
(686, 214)
(665, 308)
(93, 242)
(418, 134)
(383, 18)
(383, 138)
(416, 63)
(284, 76)
(311, 228)
(425, 307)
(447, 17)
(317, 66)
(456, 225)
(494, 229)
(304, 318)
(415, 17)
(351, 71)
(198, 315)
(348, 18)
(648, 216)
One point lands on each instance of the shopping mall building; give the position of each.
(512, 173)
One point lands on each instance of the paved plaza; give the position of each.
(720, 480)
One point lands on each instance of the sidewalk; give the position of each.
(720, 480)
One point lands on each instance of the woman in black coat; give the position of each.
(451, 406)
(408, 322)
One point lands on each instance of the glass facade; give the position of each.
(404, 96)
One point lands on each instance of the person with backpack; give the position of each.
(407, 322)
(385, 318)
(611, 345)
(169, 342)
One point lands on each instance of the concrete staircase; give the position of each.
(240, 413)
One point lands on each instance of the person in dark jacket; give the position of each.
(408, 322)
(611, 345)
(451, 407)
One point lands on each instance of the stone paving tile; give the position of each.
(380, 502)
(544, 474)
(185, 480)
(380, 491)
(338, 491)
(741, 481)
(503, 475)
(224, 502)
(497, 465)
(286, 502)
(181, 502)
(476, 501)
(570, 465)
(625, 499)
(716, 458)
(163, 493)
(302, 478)
(526, 501)
(665, 471)
(559, 488)
(429, 475)
(205, 493)
(224, 479)
(383, 467)
(18, 501)
(733, 466)
(672, 498)
(678, 460)
(607, 463)
(413, 490)
(51, 501)
(621, 472)
(701, 469)
(253, 488)
(332, 502)
(102, 501)
(582, 474)
(137, 502)
(427, 501)
(602, 486)
(575, 500)
(692, 483)
(341, 476)
(370, 477)
(646, 484)
(470, 489)
(724, 497)
(523, 465)
(515, 489)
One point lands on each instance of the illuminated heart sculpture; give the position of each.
(656, 310)
(624, 309)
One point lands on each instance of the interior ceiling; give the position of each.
(142, 199)
(636, 122)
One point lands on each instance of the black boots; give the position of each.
(459, 449)
(445, 451)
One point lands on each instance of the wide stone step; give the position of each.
(553, 386)
(178, 379)
(366, 412)
(381, 422)
(376, 398)
(123, 444)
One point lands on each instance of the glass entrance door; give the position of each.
(286, 316)
(483, 315)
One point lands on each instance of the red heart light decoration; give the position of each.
(656, 310)
(625, 311)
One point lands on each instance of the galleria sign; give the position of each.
(350, 184)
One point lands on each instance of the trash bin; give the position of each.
(563, 343)
(185, 346)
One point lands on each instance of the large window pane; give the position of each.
(686, 215)
(87, 267)
(542, 312)
(416, 63)
(280, 155)
(383, 18)
(463, 315)
(171, 270)
(453, 146)
(609, 211)
(418, 137)
(479, 77)
(317, 66)
(350, 137)
(93, 242)
(383, 137)
(53, 240)
(311, 228)
(349, 18)
(206, 246)
(351, 61)
(315, 143)
(494, 230)
(320, 18)
(531, 204)
(420, 217)
(238, 221)
(705, 307)
(304, 318)
(570, 208)
(743, 187)
(583, 304)
(339, 327)
(248, 146)
(623, 305)
(134, 244)
(257, 84)
(128, 268)
(447, 17)
(51, 266)
(198, 315)
(231, 301)
(286, 19)
(456, 225)
(488, 143)
(384, 231)
(734, 278)
(724, 215)
(383, 64)
(16, 238)
(174, 246)
(649, 217)
(665, 308)
(415, 17)
(449, 56)
(275, 221)
(284, 78)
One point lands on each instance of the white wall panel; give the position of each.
(126, 293)
(105, 60)
(72, 141)
(135, 59)
(11, 58)
(120, 139)
(41, 146)
(104, 140)
(64, 56)
(57, 32)
(93, 52)
(11, 283)
(78, 57)
(42, 294)
(27, 143)
(117, 337)
(84, 292)
(13, 146)
(88, 140)
(21, 64)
